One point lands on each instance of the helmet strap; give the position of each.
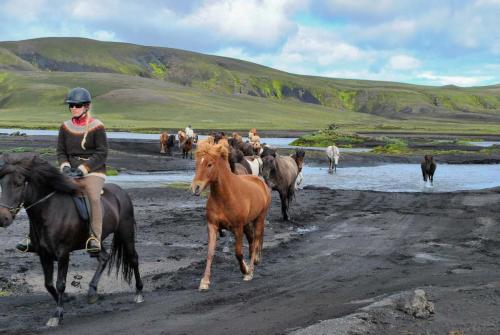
(83, 114)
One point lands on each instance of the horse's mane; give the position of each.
(39, 172)
(214, 150)
(299, 153)
(268, 151)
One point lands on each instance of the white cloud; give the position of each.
(259, 22)
(23, 10)
(453, 80)
(94, 9)
(322, 47)
(103, 35)
(403, 62)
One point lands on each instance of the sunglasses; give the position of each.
(75, 105)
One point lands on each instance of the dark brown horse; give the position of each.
(238, 203)
(167, 142)
(298, 157)
(428, 168)
(187, 147)
(280, 173)
(56, 228)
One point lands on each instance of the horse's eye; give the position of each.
(209, 164)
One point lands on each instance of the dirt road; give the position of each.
(343, 258)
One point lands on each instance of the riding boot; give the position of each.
(25, 245)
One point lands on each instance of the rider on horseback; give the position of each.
(82, 150)
(189, 132)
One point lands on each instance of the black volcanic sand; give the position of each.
(342, 258)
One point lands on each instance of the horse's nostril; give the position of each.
(197, 190)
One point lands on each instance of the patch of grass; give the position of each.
(111, 171)
(19, 150)
(327, 137)
(179, 186)
(4, 293)
(395, 146)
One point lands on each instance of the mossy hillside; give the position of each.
(36, 100)
(226, 76)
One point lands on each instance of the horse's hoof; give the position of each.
(248, 277)
(203, 286)
(92, 298)
(53, 322)
(138, 298)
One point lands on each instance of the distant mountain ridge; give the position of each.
(231, 77)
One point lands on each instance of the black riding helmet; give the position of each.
(78, 95)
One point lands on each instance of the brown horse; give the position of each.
(298, 157)
(181, 136)
(187, 147)
(166, 143)
(428, 167)
(280, 173)
(238, 203)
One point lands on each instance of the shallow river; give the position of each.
(387, 178)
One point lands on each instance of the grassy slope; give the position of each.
(214, 92)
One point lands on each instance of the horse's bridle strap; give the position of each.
(41, 200)
(15, 210)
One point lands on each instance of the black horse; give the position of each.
(280, 173)
(56, 228)
(428, 167)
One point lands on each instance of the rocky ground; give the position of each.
(349, 262)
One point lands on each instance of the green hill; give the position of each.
(141, 87)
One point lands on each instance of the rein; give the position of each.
(15, 210)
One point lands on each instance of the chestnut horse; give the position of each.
(181, 136)
(428, 167)
(238, 203)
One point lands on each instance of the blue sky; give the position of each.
(423, 42)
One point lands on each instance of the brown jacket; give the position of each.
(70, 152)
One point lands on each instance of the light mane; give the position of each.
(214, 150)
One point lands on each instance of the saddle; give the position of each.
(82, 208)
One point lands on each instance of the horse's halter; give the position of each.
(15, 210)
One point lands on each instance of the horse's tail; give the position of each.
(123, 253)
(119, 259)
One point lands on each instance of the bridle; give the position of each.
(14, 210)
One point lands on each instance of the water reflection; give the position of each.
(485, 143)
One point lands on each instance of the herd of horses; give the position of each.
(240, 177)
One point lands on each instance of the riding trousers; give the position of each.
(92, 186)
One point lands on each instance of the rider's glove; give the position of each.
(75, 173)
(66, 170)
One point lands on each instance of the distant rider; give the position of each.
(189, 132)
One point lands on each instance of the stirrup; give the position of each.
(92, 250)
(26, 243)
